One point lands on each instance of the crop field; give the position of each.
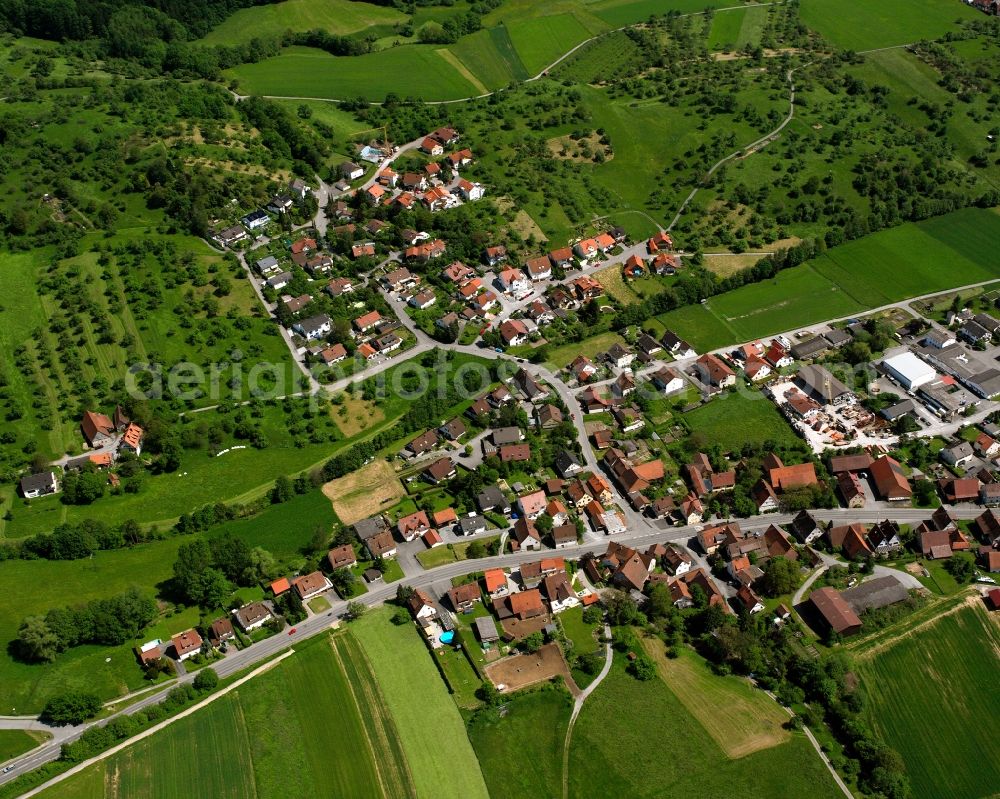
(511, 768)
(671, 754)
(490, 56)
(315, 723)
(541, 40)
(793, 298)
(905, 261)
(334, 16)
(941, 253)
(443, 764)
(752, 720)
(733, 420)
(929, 693)
(365, 492)
(410, 71)
(865, 25)
(733, 30)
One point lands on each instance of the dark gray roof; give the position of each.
(486, 628)
(820, 383)
(837, 337)
(506, 435)
(37, 482)
(875, 593)
(491, 497)
(899, 409)
(368, 528)
(469, 524)
(807, 349)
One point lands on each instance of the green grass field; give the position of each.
(413, 70)
(658, 749)
(579, 632)
(335, 16)
(315, 724)
(28, 686)
(17, 742)
(733, 420)
(929, 694)
(511, 767)
(905, 261)
(752, 721)
(865, 25)
(443, 764)
(490, 56)
(733, 30)
(541, 40)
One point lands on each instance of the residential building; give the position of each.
(310, 585)
(253, 616)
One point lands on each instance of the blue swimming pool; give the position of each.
(447, 637)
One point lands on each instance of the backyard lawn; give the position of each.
(733, 420)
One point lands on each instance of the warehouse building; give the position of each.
(909, 370)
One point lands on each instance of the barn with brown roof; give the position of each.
(834, 610)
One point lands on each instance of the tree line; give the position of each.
(107, 622)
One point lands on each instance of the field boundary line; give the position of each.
(354, 696)
(156, 727)
(971, 599)
(382, 721)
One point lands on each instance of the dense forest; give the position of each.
(118, 20)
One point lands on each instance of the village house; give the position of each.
(253, 616)
(525, 536)
(341, 557)
(314, 327)
(495, 581)
(186, 644)
(440, 470)
(463, 597)
(712, 371)
(38, 485)
(309, 585)
(413, 525)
